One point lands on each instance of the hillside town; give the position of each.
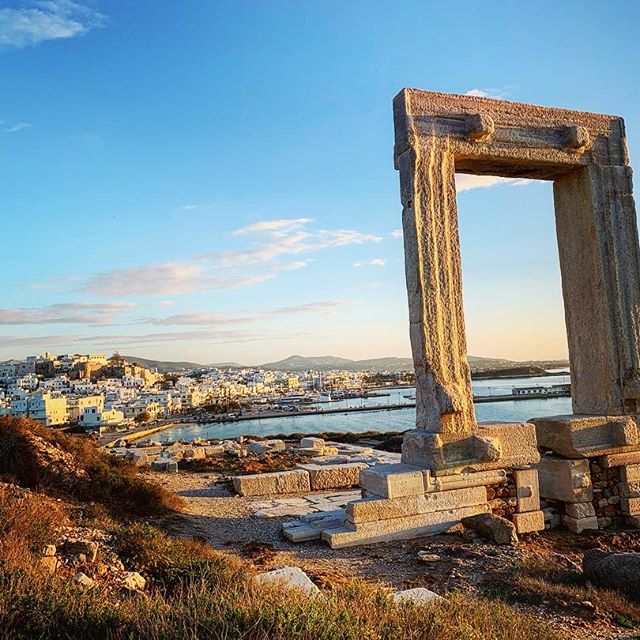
(96, 392)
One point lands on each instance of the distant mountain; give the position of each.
(328, 363)
(300, 363)
(163, 366)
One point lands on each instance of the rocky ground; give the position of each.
(458, 561)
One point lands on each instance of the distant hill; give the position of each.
(300, 363)
(327, 363)
(163, 366)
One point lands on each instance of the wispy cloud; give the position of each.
(42, 20)
(466, 182)
(87, 313)
(117, 342)
(271, 245)
(396, 233)
(19, 126)
(324, 307)
(204, 318)
(166, 279)
(375, 262)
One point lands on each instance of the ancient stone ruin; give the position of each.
(452, 466)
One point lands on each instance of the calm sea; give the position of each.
(385, 419)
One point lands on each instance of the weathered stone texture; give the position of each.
(261, 484)
(528, 522)
(578, 436)
(394, 480)
(333, 476)
(566, 480)
(398, 528)
(372, 509)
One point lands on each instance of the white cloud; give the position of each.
(466, 182)
(376, 262)
(486, 93)
(19, 126)
(273, 226)
(270, 243)
(66, 313)
(45, 20)
(396, 233)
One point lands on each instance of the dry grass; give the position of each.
(212, 596)
(27, 521)
(542, 581)
(116, 485)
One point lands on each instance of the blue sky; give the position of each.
(213, 180)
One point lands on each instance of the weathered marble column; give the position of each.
(444, 398)
(600, 265)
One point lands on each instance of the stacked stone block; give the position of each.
(404, 501)
(590, 475)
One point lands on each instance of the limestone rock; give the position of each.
(580, 510)
(419, 595)
(314, 443)
(619, 571)
(133, 581)
(493, 528)
(394, 480)
(291, 577)
(579, 525)
(528, 522)
(83, 579)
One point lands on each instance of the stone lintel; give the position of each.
(587, 436)
(500, 137)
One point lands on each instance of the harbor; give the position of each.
(494, 400)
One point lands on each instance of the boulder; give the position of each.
(292, 577)
(493, 528)
(133, 581)
(619, 571)
(419, 595)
